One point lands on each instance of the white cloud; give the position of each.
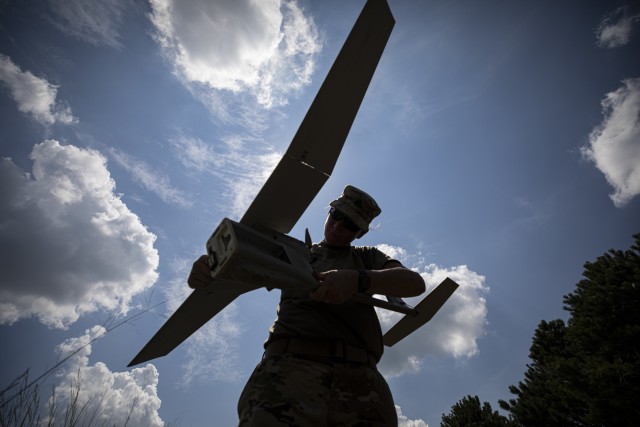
(453, 331)
(196, 155)
(34, 95)
(151, 180)
(94, 22)
(211, 352)
(403, 421)
(395, 252)
(616, 28)
(263, 51)
(69, 244)
(242, 163)
(113, 398)
(265, 48)
(614, 145)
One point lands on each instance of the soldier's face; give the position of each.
(336, 234)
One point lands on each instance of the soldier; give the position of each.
(319, 364)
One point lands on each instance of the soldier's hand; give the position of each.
(200, 276)
(336, 286)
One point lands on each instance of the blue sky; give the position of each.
(501, 140)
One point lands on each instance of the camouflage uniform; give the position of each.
(319, 364)
(286, 390)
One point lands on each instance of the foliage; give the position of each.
(587, 372)
(468, 413)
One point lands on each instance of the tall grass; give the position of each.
(20, 406)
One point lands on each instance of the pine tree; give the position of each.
(468, 413)
(587, 372)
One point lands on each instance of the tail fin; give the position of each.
(426, 309)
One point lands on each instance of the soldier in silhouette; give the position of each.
(319, 364)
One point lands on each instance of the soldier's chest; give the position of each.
(324, 260)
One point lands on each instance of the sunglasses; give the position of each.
(348, 224)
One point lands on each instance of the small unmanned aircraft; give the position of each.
(257, 251)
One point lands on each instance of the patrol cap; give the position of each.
(358, 206)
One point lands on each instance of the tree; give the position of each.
(468, 413)
(587, 372)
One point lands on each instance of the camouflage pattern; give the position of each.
(299, 316)
(358, 206)
(285, 390)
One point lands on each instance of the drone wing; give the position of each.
(311, 156)
(302, 171)
(194, 312)
(426, 309)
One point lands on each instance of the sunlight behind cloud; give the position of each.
(34, 96)
(614, 145)
(70, 245)
(266, 48)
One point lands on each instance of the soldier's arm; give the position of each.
(394, 280)
(337, 286)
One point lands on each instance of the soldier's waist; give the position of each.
(323, 351)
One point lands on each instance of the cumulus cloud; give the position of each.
(263, 52)
(265, 48)
(106, 397)
(614, 145)
(69, 244)
(616, 28)
(403, 421)
(34, 96)
(211, 352)
(453, 331)
(94, 22)
(395, 252)
(241, 163)
(151, 180)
